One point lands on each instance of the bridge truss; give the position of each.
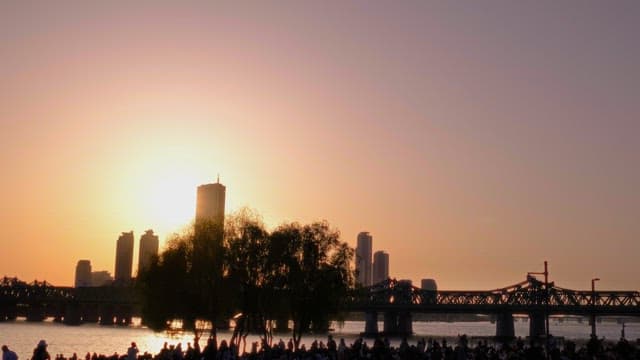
(527, 296)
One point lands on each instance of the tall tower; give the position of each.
(363, 258)
(148, 248)
(210, 203)
(83, 273)
(124, 257)
(380, 266)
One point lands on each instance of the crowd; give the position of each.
(380, 349)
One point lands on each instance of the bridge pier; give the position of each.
(405, 324)
(371, 323)
(90, 314)
(58, 312)
(36, 312)
(123, 316)
(504, 326)
(390, 325)
(537, 328)
(72, 315)
(8, 312)
(400, 324)
(106, 315)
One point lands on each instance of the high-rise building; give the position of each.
(148, 249)
(363, 258)
(380, 266)
(83, 273)
(101, 278)
(210, 202)
(428, 284)
(124, 257)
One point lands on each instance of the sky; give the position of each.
(473, 140)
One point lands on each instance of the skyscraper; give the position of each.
(363, 258)
(83, 273)
(210, 202)
(124, 257)
(148, 248)
(380, 266)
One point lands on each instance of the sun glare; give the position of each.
(172, 202)
(169, 192)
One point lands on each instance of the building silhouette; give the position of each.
(124, 257)
(83, 273)
(101, 278)
(380, 267)
(428, 284)
(210, 203)
(149, 244)
(363, 258)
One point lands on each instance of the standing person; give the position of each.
(40, 352)
(210, 351)
(132, 352)
(8, 354)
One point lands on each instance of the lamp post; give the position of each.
(546, 304)
(593, 306)
(546, 296)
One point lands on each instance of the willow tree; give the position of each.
(301, 272)
(246, 242)
(162, 286)
(312, 267)
(185, 281)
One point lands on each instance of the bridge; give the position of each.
(397, 300)
(38, 300)
(394, 300)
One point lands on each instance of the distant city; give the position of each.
(374, 272)
(371, 268)
(210, 203)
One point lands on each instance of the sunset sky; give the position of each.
(473, 140)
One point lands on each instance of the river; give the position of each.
(22, 336)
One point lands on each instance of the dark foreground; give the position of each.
(380, 349)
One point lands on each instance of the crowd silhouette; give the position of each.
(379, 349)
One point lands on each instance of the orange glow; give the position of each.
(169, 201)
(473, 142)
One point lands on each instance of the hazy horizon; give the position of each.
(473, 141)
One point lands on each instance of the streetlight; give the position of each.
(593, 305)
(546, 305)
(546, 298)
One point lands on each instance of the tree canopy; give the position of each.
(242, 270)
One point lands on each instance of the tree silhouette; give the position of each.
(246, 243)
(185, 280)
(313, 270)
(300, 272)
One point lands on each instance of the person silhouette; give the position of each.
(40, 352)
(8, 354)
(132, 352)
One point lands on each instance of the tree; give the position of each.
(162, 286)
(298, 271)
(184, 281)
(246, 243)
(313, 269)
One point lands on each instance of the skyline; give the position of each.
(474, 141)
